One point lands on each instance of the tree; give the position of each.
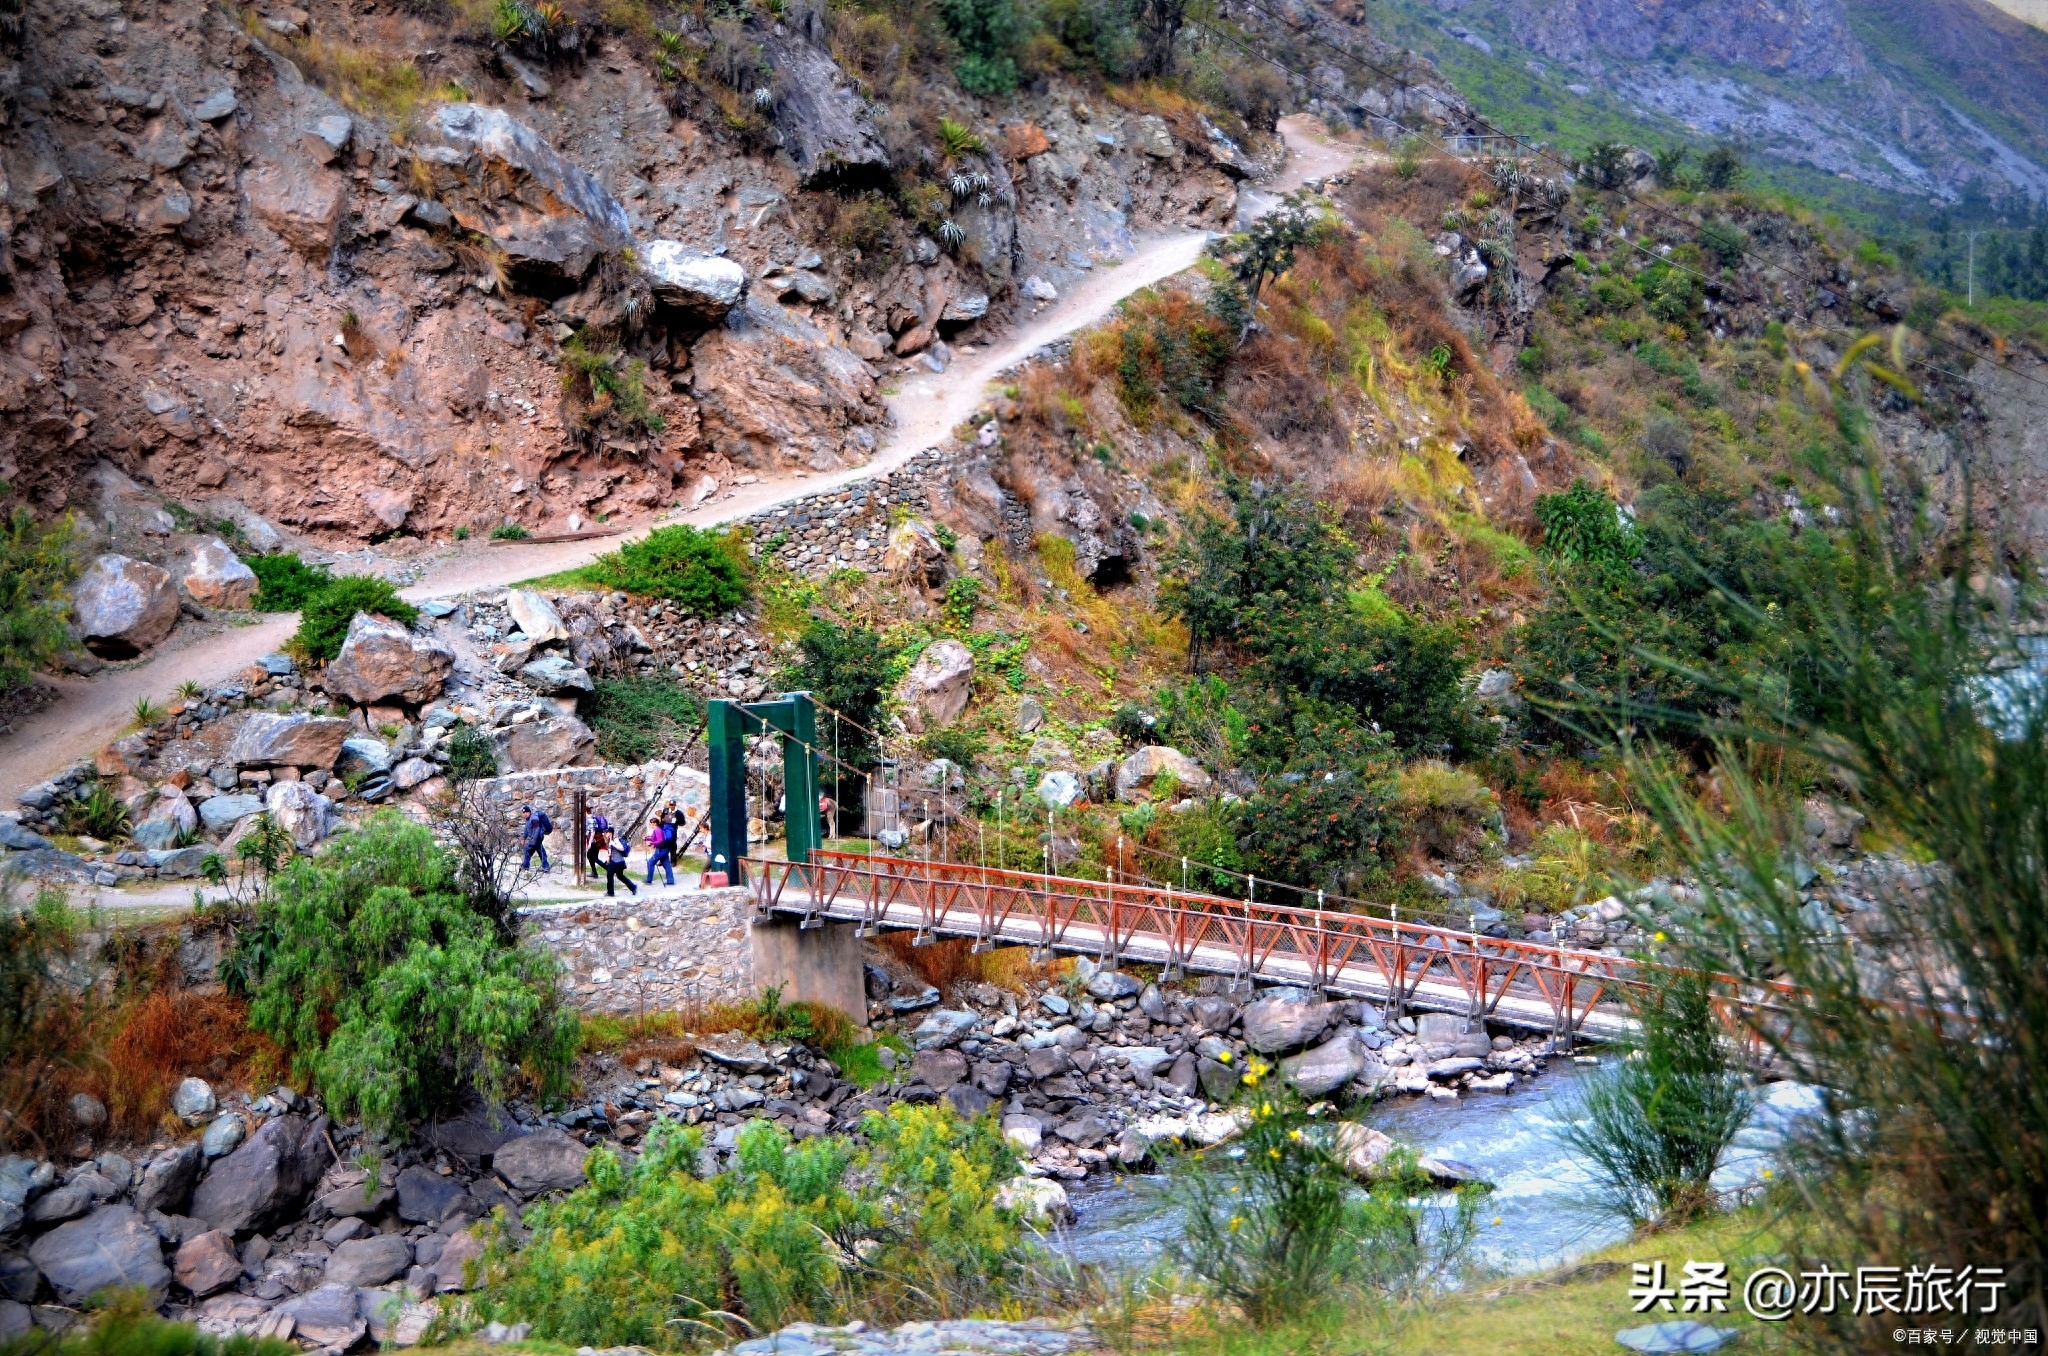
(846, 669)
(388, 991)
(1722, 168)
(36, 565)
(1269, 246)
(1162, 20)
(986, 33)
(1272, 547)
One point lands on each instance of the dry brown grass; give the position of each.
(951, 961)
(170, 1034)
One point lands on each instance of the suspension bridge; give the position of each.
(1399, 965)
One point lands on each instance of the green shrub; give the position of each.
(127, 1327)
(284, 583)
(636, 718)
(1724, 240)
(472, 756)
(955, 744)
(985, 32)
(36, 564)
(706, 572)
(1584, 526)
(1324, 817)
(846, 669)
(324, 617)
(389, 991)
(963, 596)
(826, 1230)
(1283, 1226)
(509, 532)
(1654, 1126)
(99, 814)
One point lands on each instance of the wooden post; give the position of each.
(576, 850)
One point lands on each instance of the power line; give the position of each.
(1537, 151)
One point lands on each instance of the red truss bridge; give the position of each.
(1401, 965)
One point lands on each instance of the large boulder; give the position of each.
(937, 688)
(218, 578)
(535, 616)
(268, 1177)
(370, 1261)
(111, 1247)
(303, 204)
(559, 741)
(556, 676)
(704, 287)
(167, 1180)
(329, 1318)
(382, 660)
(825, 125)
(1275, 1025)
(221, 813)
(551, 218)
(771, 387)
(305, 815)
(1323, 1070)
(207, 1263)
(120, 607)
(269, 740)
(546, 1160)
(1138, 775)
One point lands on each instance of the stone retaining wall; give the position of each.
(617, 793)
(628, 955)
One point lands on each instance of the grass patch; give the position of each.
(637, 718)
(284, 582)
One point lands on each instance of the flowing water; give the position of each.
(1534, 1218)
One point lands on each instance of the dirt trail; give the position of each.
(923, 408)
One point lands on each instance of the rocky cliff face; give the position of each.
(376, 276)
(1919, 99)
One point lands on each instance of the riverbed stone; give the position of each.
(265, 1179)
(940, 1069)
(167, 1180)
(206, 1263)
(426, 1197)
(113, 1246)
(546, 1160)
(193, 1100)
(329, 1317)
(370, 1261)
(1275, 1025)
(1324, 1069)
(943, 1027)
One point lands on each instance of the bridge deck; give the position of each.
(1412, 965)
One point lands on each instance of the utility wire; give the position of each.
(1539, 152)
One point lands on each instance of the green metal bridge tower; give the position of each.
(792, 716)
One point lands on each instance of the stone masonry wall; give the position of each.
(642, 955)
(617, 793)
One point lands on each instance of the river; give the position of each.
(1535, 1217)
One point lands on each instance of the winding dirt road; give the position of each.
(923, 409)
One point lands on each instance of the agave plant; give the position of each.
(961, 183)
(764, 98)
(951, 233)
(508, 20)
(984, 198)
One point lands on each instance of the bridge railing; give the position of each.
(1403, 961)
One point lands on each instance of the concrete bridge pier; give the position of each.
(819, 964)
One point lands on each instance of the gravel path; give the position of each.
(923, 410)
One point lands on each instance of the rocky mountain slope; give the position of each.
(1916, 100)
(263, 261)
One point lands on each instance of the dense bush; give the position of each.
(388, 990)
(1583, 526)
(1272, 550)
(325, 616)
(637, 718)
(36, 563)
(654, 1254)
(1323, 816)
(846, 669)
(1281, 1228)
(125, 1326)
(985, 33)
(284, 583)
(706, 572)
(1653, 1127)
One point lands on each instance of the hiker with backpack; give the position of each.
(534, 835)
(615, 867)
(595, 841)
(661, 846)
